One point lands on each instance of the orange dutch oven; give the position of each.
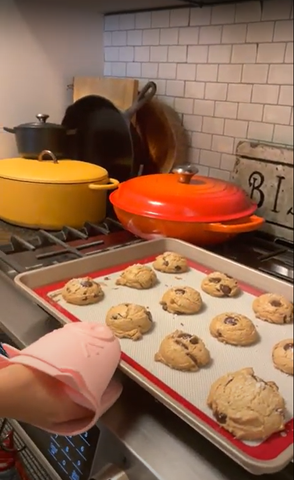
(185, 206)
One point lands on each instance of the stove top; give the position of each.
(30, 250)
(260, 251)
(23, 249)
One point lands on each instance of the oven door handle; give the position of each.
(110, 472)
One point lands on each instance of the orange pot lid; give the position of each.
(183, 196)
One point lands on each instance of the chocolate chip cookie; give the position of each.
(140, 277)
(247, 406)
(219, 284)
(182, 351)
(234, 329)
(283, 356)
(273, 308)
(82, 291)
(129, 321)
(181, 301)
(170, 262)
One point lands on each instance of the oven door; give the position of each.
(95, 455)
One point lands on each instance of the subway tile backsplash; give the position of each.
(227, 70)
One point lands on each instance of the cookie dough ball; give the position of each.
(182, 351)
(273, 308)
(283, 356)
(138, 276)
(234, 329)
(170, 262)
(246, 406)
(182, 301)
(219, 284)
(82, 291)
(129, 321)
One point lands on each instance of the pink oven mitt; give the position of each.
(83, 357)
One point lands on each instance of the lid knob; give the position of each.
(49, 154)
(42, 117)
(185, 172)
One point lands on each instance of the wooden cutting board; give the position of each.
(122, 92)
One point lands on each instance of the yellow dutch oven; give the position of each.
(50, 194)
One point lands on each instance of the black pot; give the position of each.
(33, 138)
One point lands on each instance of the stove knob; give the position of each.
(111, 472)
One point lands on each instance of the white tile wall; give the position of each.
(227, 70)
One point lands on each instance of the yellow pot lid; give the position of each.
(50, 171)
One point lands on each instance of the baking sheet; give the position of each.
(189, 390)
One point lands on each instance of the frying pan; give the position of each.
(105, 136)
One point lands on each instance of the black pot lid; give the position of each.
(41, 123)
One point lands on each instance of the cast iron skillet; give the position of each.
(105, 135)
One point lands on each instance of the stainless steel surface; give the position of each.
(49, 154)
(111, 472)
(185, 173)
(36, 465)
(42, 117)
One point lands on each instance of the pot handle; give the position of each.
(9, 130)
(112, 185)
(251, 223)
(146, 95)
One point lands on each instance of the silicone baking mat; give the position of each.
(190, 390)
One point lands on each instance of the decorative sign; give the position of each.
(265, 172)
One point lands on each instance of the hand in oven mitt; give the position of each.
(82, 358)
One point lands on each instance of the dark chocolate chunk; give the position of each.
(194, 340)
(288, 346)
(219, 333)
(182, 344)
(180, 291)
(84, 299)
(226, 290)
(149, 316)
(165, 263)
(114, 317)
(215, 280)
(231, 321)
(86, 283)
(276, 303)
(220, 417)
(164, 306)
(178, 268)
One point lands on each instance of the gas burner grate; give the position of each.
(49, 248)
(262, 252)
(62, 237)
